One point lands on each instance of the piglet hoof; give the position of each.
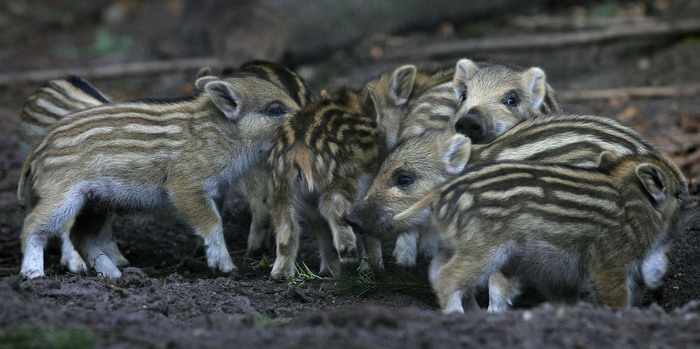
(369, 265)
(349, 264)
(121, 262)
(221, 263)
(227, 267)
(105, 268)
(74, 263)
(329, 270)
(282, 272)
(115, 274)
(348, 256)
(31, 274)
(405, 260)
(112, 251)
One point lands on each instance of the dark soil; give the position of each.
(169, 298)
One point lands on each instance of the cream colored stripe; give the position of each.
(40, 117)
(601, 189)
(442, 110)
(582, 157)
(50, 107)
(70, 94)
(63, 142)
(606, 205)
(59, 160)
(61, 93)
(507, 194)
(116, 116)
(152, 129)
(140, 143)
(593, 124)
(534, 148)
(125, 160)
(497, 211)
(508, 177)
(520, 166)
(568, 212)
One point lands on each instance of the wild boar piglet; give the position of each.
(140, 155)
(606, 224)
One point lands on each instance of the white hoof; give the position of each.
(282, 270)
(105, 268)
(73, 262)
(32, 273)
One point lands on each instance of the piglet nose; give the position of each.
(353, 220)
(471, 126)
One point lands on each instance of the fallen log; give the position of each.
(631, 92)
(112, 70)
(462, 47)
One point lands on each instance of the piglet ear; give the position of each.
(535, 80)
(204, 71)
(606, 159)
(401, 84)
(464, 71)
(225, 98)
(456, 154)
(203, 81)
(370, 106)
(654, 182)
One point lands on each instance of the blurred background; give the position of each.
(636, 61)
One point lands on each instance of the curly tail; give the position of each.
(421, 205)
(24, 186)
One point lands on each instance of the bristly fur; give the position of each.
(618, 219)
(128, 156)
(72, 94)
(433, 108)
(317, 160)
(426, 160)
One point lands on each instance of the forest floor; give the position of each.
(169, 298)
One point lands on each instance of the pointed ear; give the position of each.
(550, 105)
(401, 84)
(464, 71)
(606, 159)
(369, 105)
(203, 81)
(456, 154)
(225, 98)
(204, 71)
(534, 79)
(653, 181)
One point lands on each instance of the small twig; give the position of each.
(567, 22)
(452, 48)
(631, 92)
(112, 70)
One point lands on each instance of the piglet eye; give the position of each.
(275, 109)
(511, 100)
(404, 181)
(462, 97)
